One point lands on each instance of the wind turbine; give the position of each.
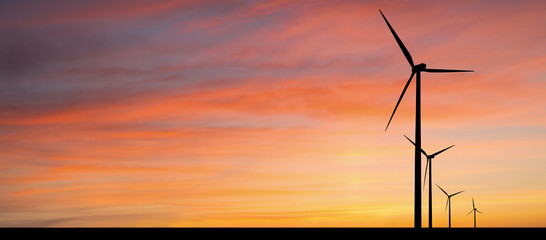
(429, 166)
(415, 70)
(449, 202)
(474, 210)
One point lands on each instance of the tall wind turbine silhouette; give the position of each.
(415, 70)
(474, 210)
(449, 202)
(429, 166)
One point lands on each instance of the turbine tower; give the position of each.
(415, 70)
(474, 209)
(429, 166)
(449, 202)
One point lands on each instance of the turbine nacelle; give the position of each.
(419, 67)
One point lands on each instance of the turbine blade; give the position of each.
(404, 50)
(423, 151)
(400, 99)
(446, 70)
(445, 210)
(409, 139)
(478, 211)
(442, 190)
(425, 180)
(473, 206)
(441, 151)
(456, 193)
(470, 212)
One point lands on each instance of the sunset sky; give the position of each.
(268, 113)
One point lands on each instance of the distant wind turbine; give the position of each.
(449, 202)
(415, 70)
(429, 166)
(474, 210)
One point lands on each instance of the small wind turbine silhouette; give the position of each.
(415, 70)
(449, 202)
(474, 210)
(429, 166)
